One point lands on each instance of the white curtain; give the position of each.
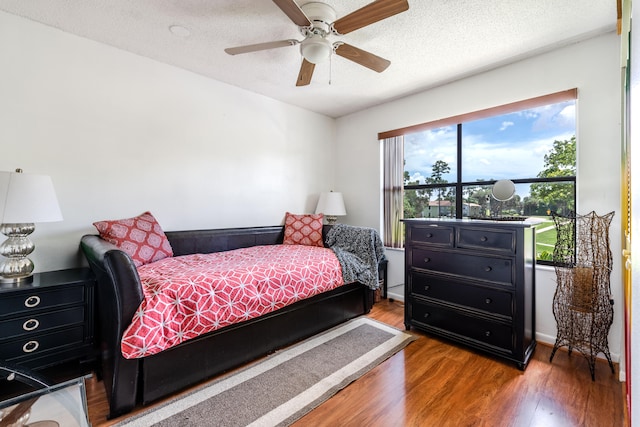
(393, 184)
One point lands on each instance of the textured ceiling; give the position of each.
(434, 42)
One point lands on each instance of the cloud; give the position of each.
(556, 116)
(490, 153)
(505, 125)
(568, 114)
(417, 176)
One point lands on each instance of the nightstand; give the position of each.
(49, 321)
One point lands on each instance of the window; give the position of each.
(451, 165)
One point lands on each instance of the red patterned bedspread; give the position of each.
(190, 295)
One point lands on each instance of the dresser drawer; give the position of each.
(492, 240)
(449, 291)
(37, 323)
(482, 331)
(431, 234)
(34, 345)
(497, 270)
(37, 299)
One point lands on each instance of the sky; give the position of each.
(509, 146)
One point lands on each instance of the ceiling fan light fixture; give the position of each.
(316, 49)
(316, 21)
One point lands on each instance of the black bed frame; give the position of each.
(129, 382)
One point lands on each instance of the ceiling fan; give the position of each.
(316, 22)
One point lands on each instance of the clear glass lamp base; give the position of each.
(16, 267)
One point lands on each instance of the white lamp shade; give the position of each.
(331, 203)
(27, 198)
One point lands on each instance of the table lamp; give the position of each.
(331, 204)
(24, 200)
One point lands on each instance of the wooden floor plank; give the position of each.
(436, 383)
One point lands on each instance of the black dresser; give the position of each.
(473, 282)
(48, 321)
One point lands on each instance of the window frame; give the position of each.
(553, 98)
(458, 121)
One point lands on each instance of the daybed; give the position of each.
(142, 380)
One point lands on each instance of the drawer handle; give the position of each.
(427, 259)
(30, 324)
(32, 301)
(426, 287)
(30, 346)
(427, 315)
(429, 235)
(488, 301)
(488, 268)
(483, 239)
(487, 334)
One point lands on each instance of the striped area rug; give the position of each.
(283, 387)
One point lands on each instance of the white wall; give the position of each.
(591, 66)
(120, 134)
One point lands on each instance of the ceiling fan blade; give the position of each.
(373, 12)
(260, 46)
(362, 57)
(293, 11)
(306, 72)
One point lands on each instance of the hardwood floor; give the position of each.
(436, 383)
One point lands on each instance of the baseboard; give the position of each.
(544, 338)
(396, 292)
(551, 340)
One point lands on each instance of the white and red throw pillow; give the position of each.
(303, 229)
(141, 237)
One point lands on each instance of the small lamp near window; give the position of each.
(24, 200)
(332, 206)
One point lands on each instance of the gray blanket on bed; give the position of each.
(359, 250)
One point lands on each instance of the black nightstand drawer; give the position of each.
(48, 320)
(40, 322)
(34, 345)
(39, 299)
(454, 292)
(497, 270)
(464, 326)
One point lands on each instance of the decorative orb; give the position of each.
(503, 190)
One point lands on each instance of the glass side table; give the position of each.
(61, 405)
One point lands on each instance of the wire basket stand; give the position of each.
(582, 303)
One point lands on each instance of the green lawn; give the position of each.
(545, 238)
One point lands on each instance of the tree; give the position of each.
(478, 194)
(413, 200)
(559, 162)
(438, 169)
(416, 201)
